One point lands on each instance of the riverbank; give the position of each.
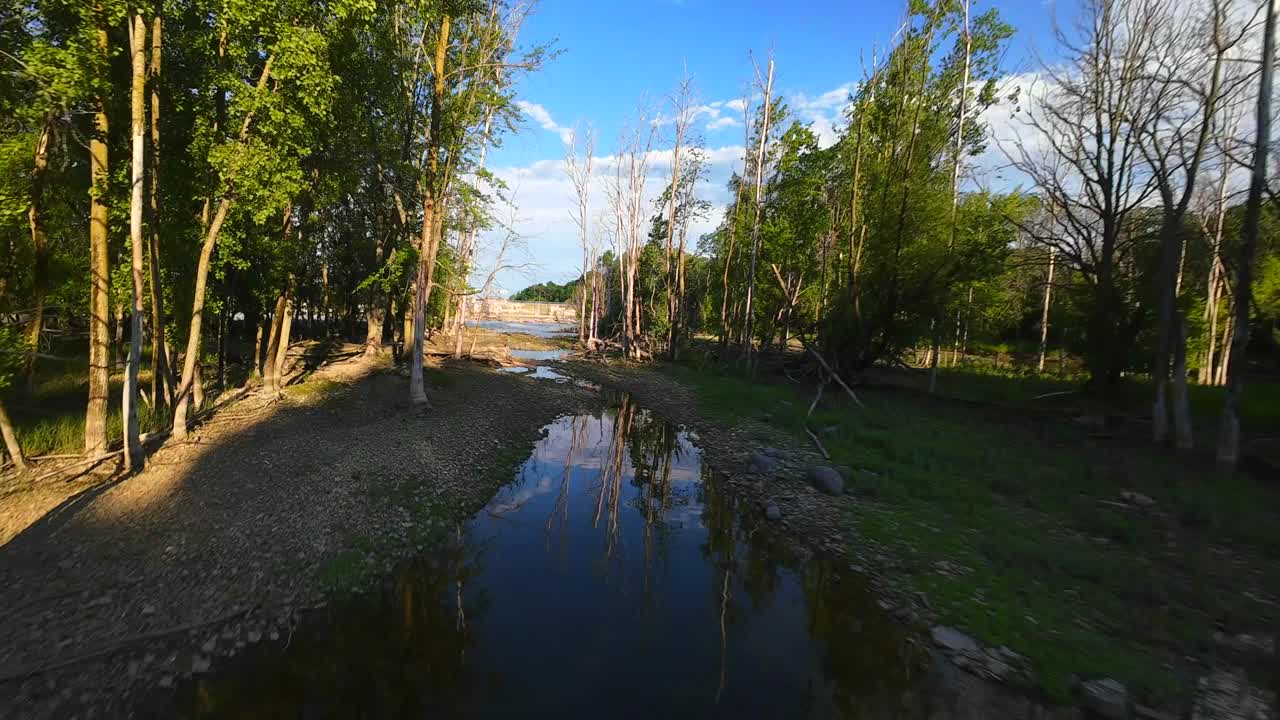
(268, 509)
(1091, 555)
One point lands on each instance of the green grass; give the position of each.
(1078, 585)
(50, 419)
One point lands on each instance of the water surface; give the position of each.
(537, 329)
(614, 577)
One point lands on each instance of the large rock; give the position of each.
(772, 513)
(827, 479)
(762, 464)
(1106, 698)
(952, 640)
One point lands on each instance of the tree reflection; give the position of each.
(397, 653)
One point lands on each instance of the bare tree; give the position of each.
(1185, 90)
(579, 172)
(1079, 146)
(682, 111)
(631, 167)
(1229, 431)
(766, 86)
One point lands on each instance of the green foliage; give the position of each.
(549, 291)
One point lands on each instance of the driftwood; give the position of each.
(817, 442)
(116, 645)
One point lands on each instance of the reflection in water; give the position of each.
(614, 577)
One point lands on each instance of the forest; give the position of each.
(1002, 342)
(185, 194)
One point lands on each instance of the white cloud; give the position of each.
(736, 105)
(540, 115)
(721, 123)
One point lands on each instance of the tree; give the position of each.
(1229, 433)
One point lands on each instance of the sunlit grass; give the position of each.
(1058, 569)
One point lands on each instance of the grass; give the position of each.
(50, 419)
(1024, 504)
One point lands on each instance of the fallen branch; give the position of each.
(816, 398)
(90, 462)
(1055, 394)
(817, 442)
(122, 643)
(833, 374)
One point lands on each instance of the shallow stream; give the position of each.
(614, 577)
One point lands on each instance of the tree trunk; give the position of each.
(40, 249)
(428, 245)
(282, 352)
(133, 458)
(95, 423)
(161, 374)
(955, 179)
(1044, 313)
(202, 277)
(1183, 436)
(1229, 432)
(375, 316)
(269, 366)
(11, 440)
(755, 224)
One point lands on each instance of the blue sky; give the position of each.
(612, 54)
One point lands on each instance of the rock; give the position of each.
(996, 668)
(762, 464)
(1246, 644)
(1106, 698)
(923, 599)
(166, 681)
(1136, 498)
(210, 644)
(255, 636)
(952, 640)
(772, 513)
(1226, 694)
(1149, 713)
(827, 480)
(773, 452)
(200, 664)
(148, 609)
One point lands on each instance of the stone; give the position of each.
(762, 464)
(1136, 498)
(200, 664)
(772, 513)
(1150, 713)
(1227, 694)
(997, 669)
(148, 609)
(827, 480)
(1106, 698)
(166, 681)
(952, 640)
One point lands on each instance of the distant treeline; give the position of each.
(549, 292)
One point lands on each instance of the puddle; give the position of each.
(515, 369)
(614, 577)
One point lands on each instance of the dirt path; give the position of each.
(221, 541)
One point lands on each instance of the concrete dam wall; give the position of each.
(513, 311)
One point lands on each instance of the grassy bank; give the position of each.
(1014, 525)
